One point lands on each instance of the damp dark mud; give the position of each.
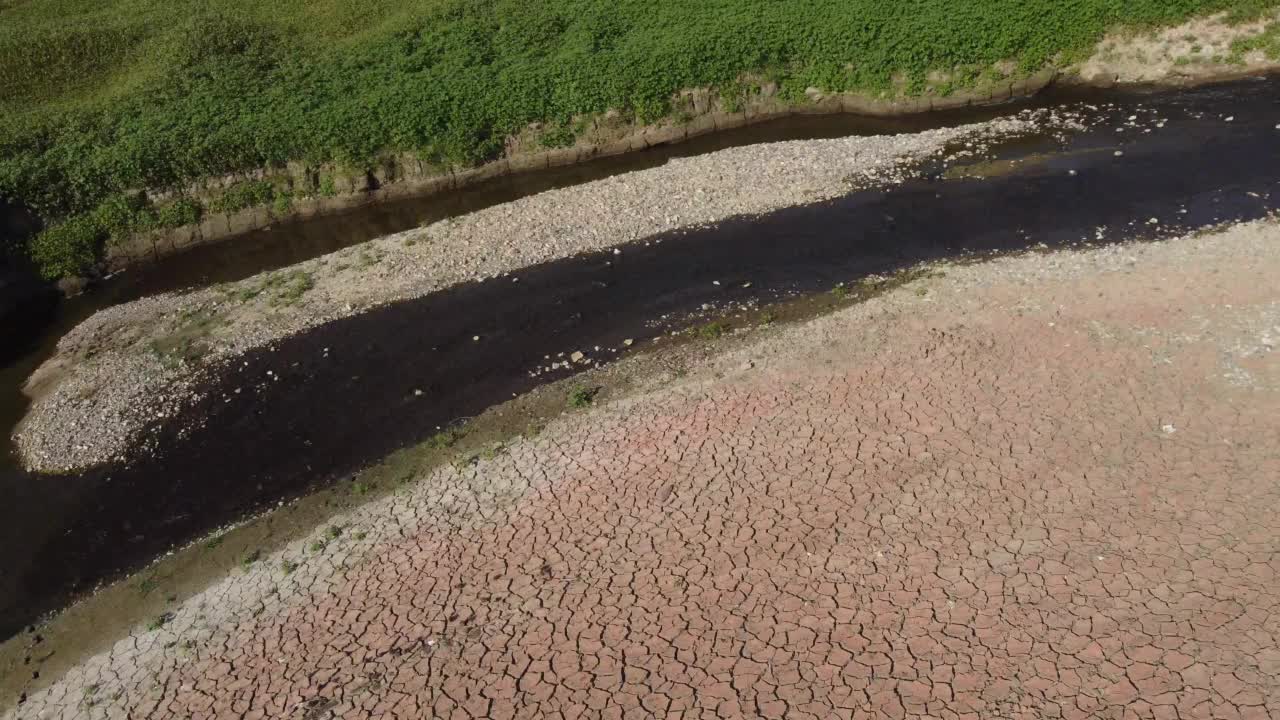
(315, 407)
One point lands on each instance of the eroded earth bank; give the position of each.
(1042, 486)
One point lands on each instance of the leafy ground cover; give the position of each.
(101, 100)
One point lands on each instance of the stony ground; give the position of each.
(1038, 487)
(132, 363)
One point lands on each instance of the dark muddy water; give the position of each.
(325, 403)
(23, 346)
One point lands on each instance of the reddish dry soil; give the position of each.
(970, 505)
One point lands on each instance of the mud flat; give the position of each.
(282, 419)
(984, 479)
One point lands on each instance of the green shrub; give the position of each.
(244, 194)
(68, 248)
(179, 213)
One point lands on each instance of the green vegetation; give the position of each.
(187, 343)
(101, 100)
(284, 288)
(712, 330)
(445, 438)
(148, 584)
(1268, 42)
(582, 397)
(249, 559)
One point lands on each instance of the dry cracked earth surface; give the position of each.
(1041, 487)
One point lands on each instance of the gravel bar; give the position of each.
(138, 362)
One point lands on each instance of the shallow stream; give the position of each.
(323, 404)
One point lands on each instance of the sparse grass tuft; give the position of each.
(187, 343)
(285, 288)
(712, 330)
(581, 397)
(445, 438)
(249, 559)
(1268, 42)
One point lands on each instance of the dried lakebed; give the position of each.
(326, 401)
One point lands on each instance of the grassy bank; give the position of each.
(102, 99)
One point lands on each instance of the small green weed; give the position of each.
(288, 566)
(285, 288)
(249, 559)
(713, 330)
(445, 438)
(581, 397)
(187, 342)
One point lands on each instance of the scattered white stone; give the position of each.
(555, 224)
(628, 342)
(1168, 429)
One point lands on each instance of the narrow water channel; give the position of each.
(326, 402)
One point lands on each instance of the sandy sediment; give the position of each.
(137, 363)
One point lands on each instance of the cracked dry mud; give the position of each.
(1039, 487)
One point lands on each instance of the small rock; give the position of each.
(628, 342)
(475, 338)
(1168, 429)
(577, 356)
(1119, 153)
(417, 393)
